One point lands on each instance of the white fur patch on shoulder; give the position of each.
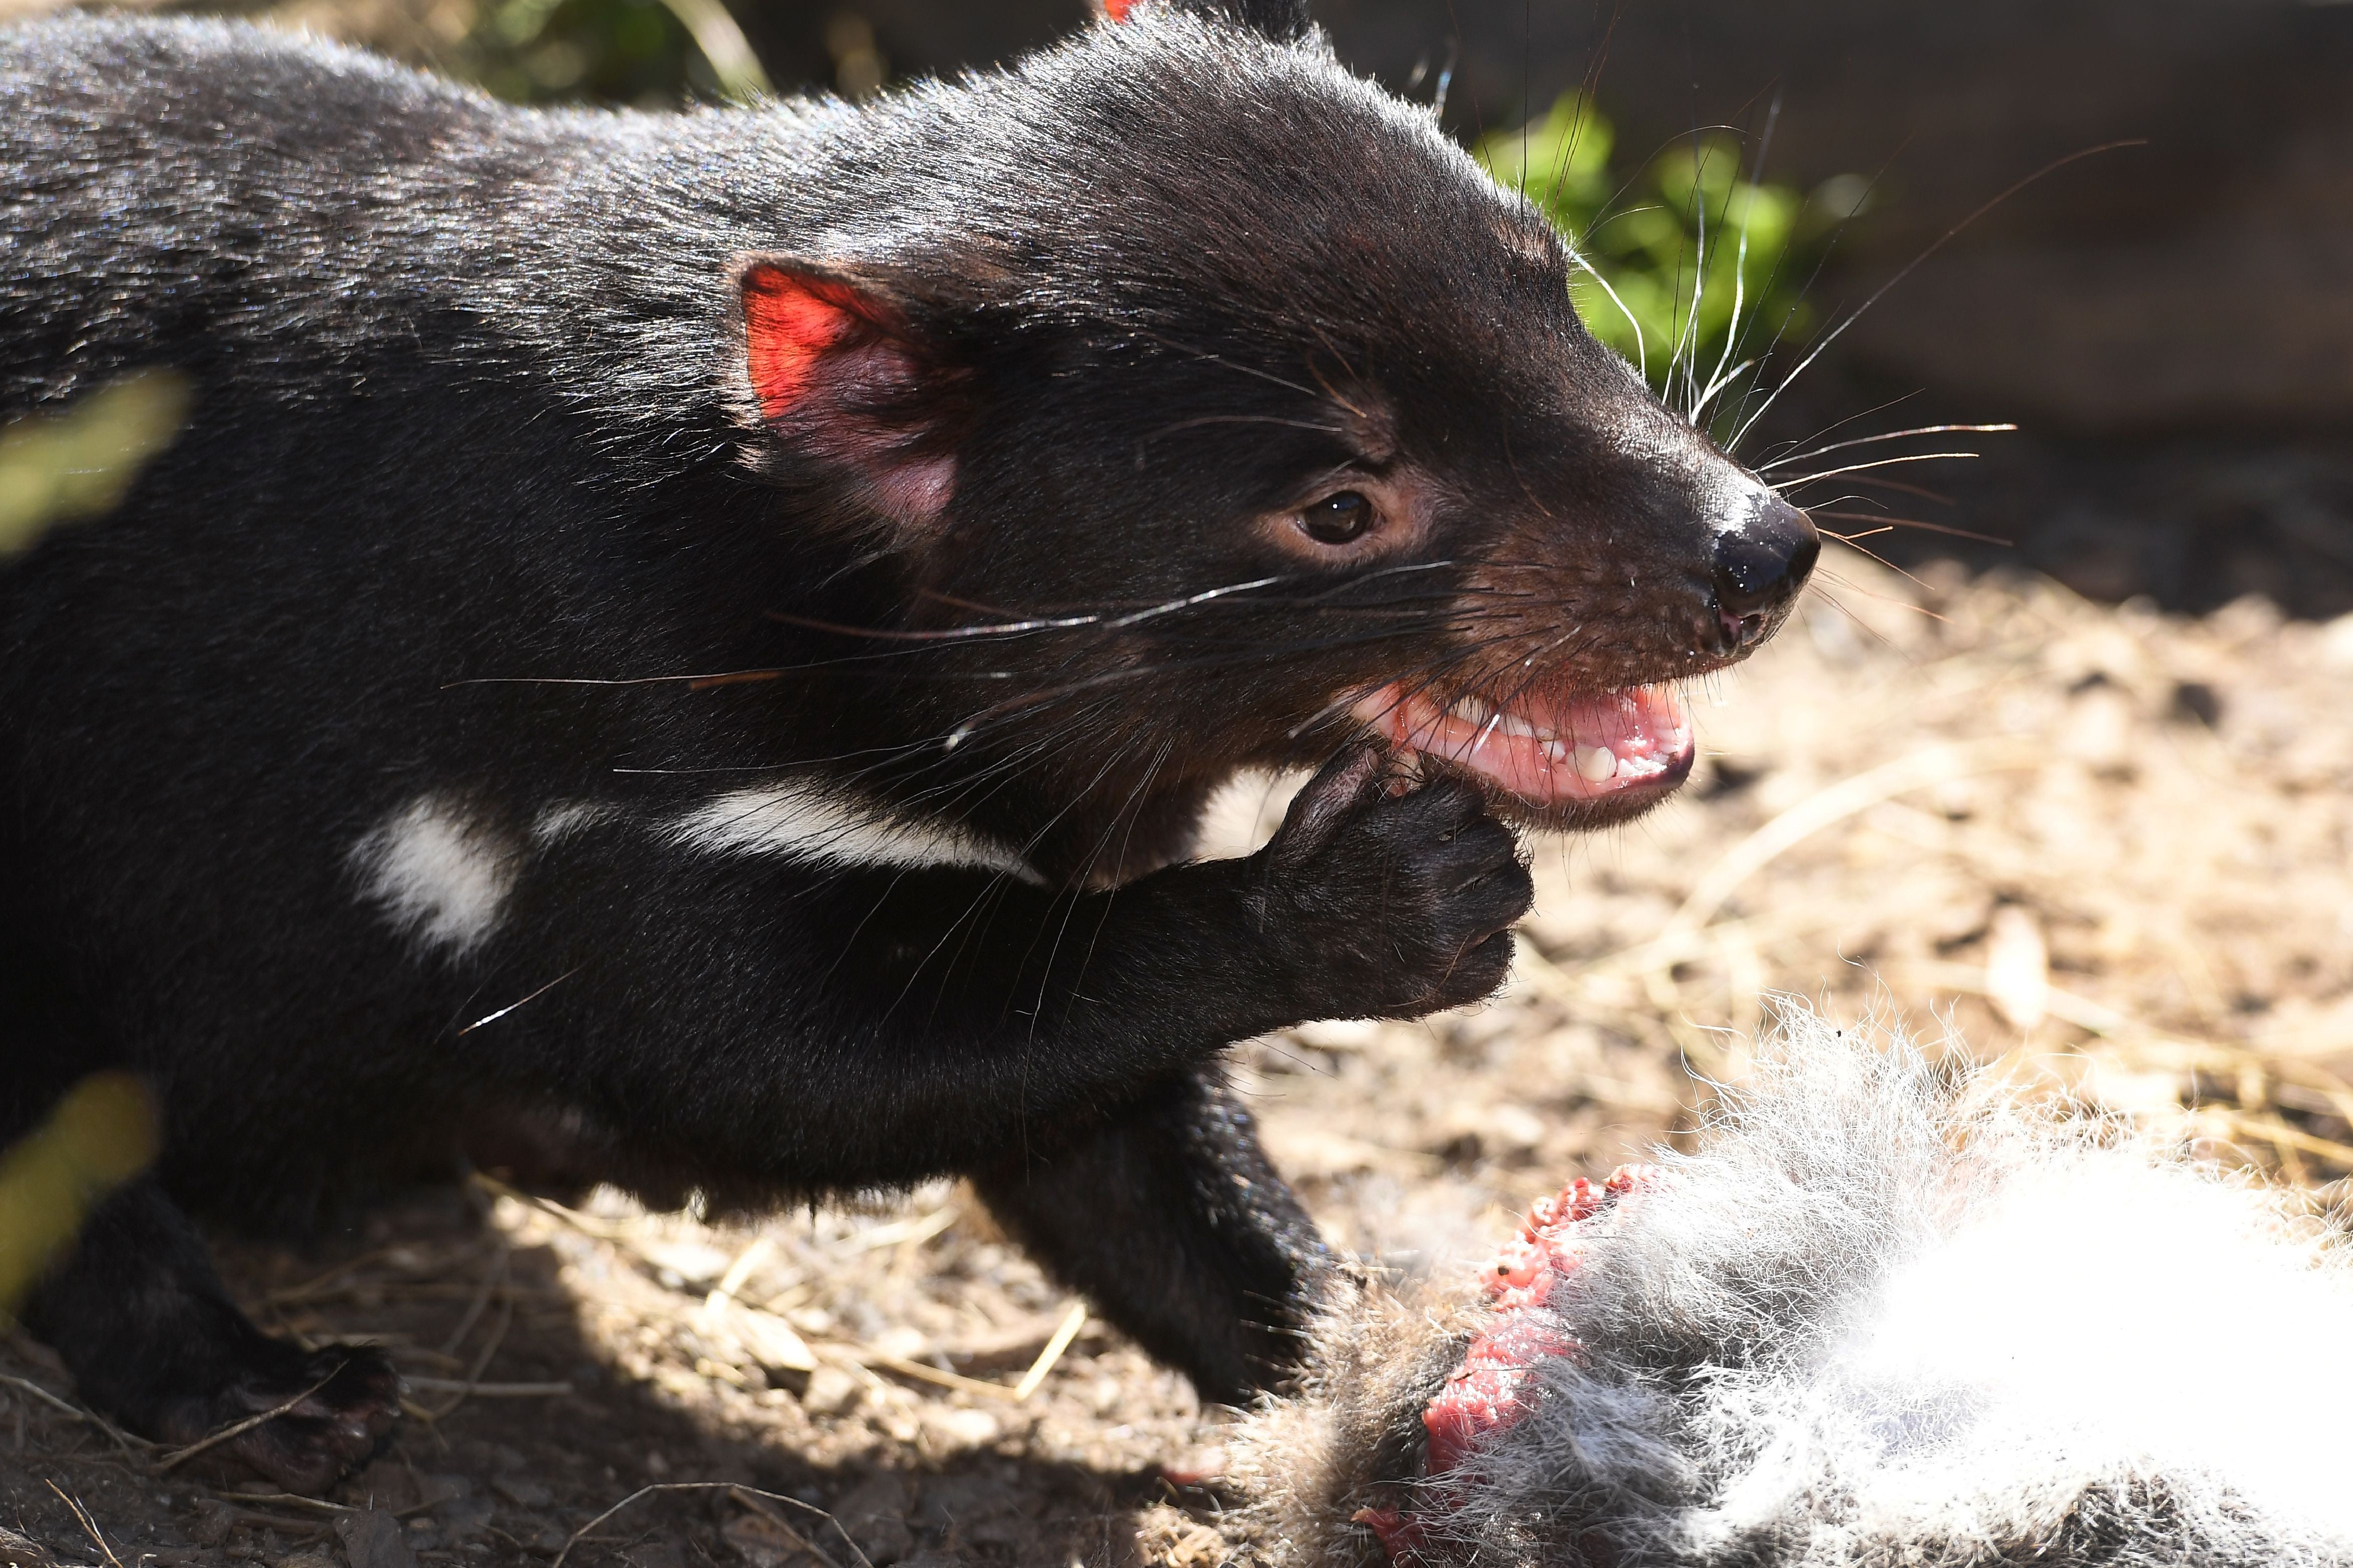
(798, 820)
(440, 875)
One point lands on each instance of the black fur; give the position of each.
(477, 476)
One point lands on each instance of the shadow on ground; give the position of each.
(552, 1432)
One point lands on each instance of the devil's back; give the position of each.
(174, 188)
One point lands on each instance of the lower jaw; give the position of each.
(1583, 762)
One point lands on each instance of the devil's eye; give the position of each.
(1339, 519)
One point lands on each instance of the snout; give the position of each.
(1763, 557)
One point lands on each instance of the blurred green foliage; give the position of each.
(613, 50)
(76, 463)
(610, 51)
(1691, 266)
(60, 468)
(102, 1133)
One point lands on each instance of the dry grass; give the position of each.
(2107, 845)
(2110, 845)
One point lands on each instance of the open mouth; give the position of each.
(1548, 750)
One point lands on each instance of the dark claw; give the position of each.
(1391, 905)
(345, 1401)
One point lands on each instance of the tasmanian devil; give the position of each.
(705, 637)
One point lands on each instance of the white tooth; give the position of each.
(1554, 750)
(1596, 764)
(1512, 724)
(1470, 710)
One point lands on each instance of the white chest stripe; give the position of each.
(797, 821)
(440, 875)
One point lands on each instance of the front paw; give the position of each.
(1390, 899)
(344, 1401)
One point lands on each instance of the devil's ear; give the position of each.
(840, 375)
(1285, 21)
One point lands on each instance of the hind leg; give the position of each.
(1170, 1220)
(153, 1340)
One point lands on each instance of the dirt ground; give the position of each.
(2108, 845)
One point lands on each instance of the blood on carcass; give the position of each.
(1488, 1393)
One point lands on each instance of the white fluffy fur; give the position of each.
(802, 821)
(1885, 1316)
(440, 875)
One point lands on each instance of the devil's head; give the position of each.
(1212, 407)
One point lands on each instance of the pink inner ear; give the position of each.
(1117, 10)
(825, 362)
(789, 322)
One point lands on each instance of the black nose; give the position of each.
(1760, 563)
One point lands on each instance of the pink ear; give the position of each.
(837, 373)
(1117, 10)
(789, 321)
